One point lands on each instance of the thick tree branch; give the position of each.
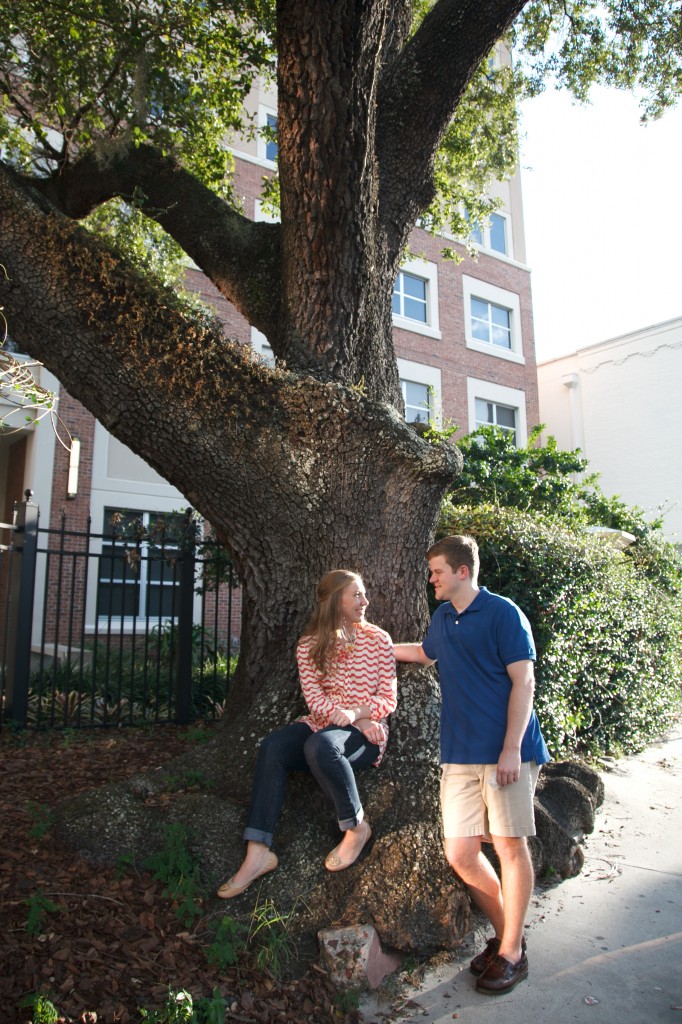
(240, 256)
(167, 383)
(418, 97)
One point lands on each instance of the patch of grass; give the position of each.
(38, 907)
(43, 1010)
(42, 819)
(270, 939)
(346, 1000)
(175, 866)
(180, 1008)
(125, 863)
(228, 945)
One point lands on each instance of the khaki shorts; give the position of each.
(474, 805)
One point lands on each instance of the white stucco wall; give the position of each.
(621, 402)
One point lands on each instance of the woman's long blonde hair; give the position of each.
(327, 616)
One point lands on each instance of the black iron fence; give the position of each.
(137, 624)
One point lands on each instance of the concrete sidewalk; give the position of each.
(604, 947)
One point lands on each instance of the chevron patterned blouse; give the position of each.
(362, 673)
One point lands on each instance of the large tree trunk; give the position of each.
(300, 469)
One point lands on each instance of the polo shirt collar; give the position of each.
(482, 597)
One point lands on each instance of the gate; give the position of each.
(139, 624)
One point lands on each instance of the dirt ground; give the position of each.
(104, 943)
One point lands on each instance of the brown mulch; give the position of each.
(107, 942)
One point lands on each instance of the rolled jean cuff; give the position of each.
(255, 835)
(352, 822)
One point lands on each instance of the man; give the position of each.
(491, 748)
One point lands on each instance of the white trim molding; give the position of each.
(514, 398)
(427, 272)
(474, 288)
(420, 373)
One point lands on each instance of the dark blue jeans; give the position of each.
(330, 754)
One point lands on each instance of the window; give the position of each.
(493, 235)
(492, 319)
(498, 233)
(421, 388)
(137, 572)
(267, 135)
(491, 414)
(417, 399)
(409, 297)
(415, 298)
(490, 323)
(271, 138)
(496, 405)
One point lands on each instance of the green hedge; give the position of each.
(607, 627)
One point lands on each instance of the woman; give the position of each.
(347, 672)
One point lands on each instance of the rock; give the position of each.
(354, 957)
(559, 853)
(579, 772)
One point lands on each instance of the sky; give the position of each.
(602, 207)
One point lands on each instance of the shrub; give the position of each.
(606, 624)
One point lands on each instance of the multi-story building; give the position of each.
(619, 402)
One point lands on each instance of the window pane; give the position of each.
(480, 309)
(414, 286)
(409, 297)
(484, 411)
(506, 417)
(501, 337)
(415, 310)
(498, 233)
(501, 316)
(160, 601)
(417, 399)
(501, 331)
(475, 229)
(270, 145)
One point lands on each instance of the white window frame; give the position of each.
(428, 272)
(116, 492)
(473, 288)
(263, 112)
(420, 373)
(485, 229)
(145, 585)
(513, 398)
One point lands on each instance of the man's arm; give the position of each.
(411, 652)
(518, 716)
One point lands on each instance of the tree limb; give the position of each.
(419, 95)
(164, 380)
(240, 256)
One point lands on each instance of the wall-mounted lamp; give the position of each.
(74, 462)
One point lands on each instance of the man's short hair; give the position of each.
(458, 550)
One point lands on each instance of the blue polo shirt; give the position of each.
(473, 649)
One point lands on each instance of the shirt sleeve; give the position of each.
(430, 643)
(515, 637)
(319, 703)
(384, 700)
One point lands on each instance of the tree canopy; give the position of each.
(92, 78)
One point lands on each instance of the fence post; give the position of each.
(20, 615)
(183, 676)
